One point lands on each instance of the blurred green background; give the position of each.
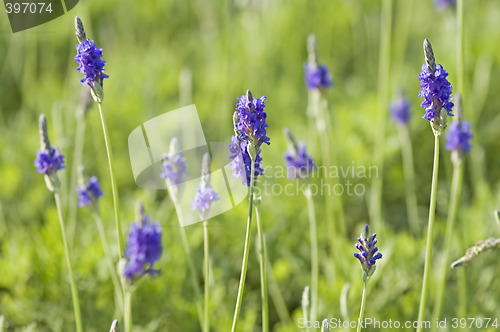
(228, 47)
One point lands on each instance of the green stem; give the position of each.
(314, 254)
(206, 319)
(375, 210)
(128, 310)
(77, 161)
(428, 249)
(263, 275)
(241, 287)
(460, 49)
(192, 268)
(362, 309)
(109, 260)
(409, 174)
(456, 190)
(113, 181)
(74, 291)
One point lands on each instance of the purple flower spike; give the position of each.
(368, 254)
(400, 110)
(459, 136)
(443, 4)
(90, 63)
(250, 133)
(436, 90)
(317, 77)
(144, 248)
(89, 193)
(298, 163)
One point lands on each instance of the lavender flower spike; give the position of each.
(436, 90)
(298, 163)
(89, 62)
(88, 191)
(48, 159)
(144, 247)
(368, 254)
(443, 4)
(459, 135)
(205, 195)
(316, 76)
(250, 125)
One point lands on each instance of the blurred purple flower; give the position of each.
(90, 63)
(317, 77)
(49, 162)
(400, 110)
(89, 193)
(174, 168)
(299, 163)
(204, 197)
(443, 4)
(458, 136)
(144, 248)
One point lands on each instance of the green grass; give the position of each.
(231, 46)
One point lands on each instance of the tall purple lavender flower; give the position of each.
(459, 136)
(174, 168)
(368, 254)
(90, 63)
(250, 133)
(298, 163)
(400, 110)
(49, 159)
(144, 247)
(436, 90)
(89, 192)
(317, 76)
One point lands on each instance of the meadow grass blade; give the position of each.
(206, 319)
(314, 254)
(409, 175)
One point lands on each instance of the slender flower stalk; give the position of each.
(368, 256)
(436, 91)
(174, 171)
(457, 141)
(92, 66)
(89, 192)
(306, 305)
(263, 274)
(250, 133)
(299, 166)
(144, 248)
(205, 196)
(400, 112)
(48, 162)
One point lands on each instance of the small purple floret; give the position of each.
(299, 164)
(204, 198)
(91, 192)
(49, 162)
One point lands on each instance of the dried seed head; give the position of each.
(429, 56)
(80, 30)
(114, 326)
(477, 249)
(44, 133)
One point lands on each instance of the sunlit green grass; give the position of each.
(230, 47)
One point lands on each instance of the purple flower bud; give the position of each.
(174, 168)
(368, 252)
(298, 163)
(400, 110)
(317, 77)
(49, 162)
(89, 193)
(443, 4)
